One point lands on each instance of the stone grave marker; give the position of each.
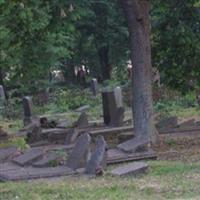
(118, 96)
(29, 157)
(27, 105)
(2, 93)
(133, 169)
(109, 105)
(82, 121)
(136, 144)
(118, 118)
(94, 86)
(5, 153)
(71, 136)
(97, 161)
(81, 152)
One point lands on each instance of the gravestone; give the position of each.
(97, 162)
(118, 118)
(118, 96)
(2, 93)
(29, 157)
(34, 134)
(137, 144)
(82, 121)
(109, 106)
(81, 152)
(6, 153)
(71, 136)
(27, 105)
(133, 169)
(94, 86)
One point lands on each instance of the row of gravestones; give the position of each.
(113, 110)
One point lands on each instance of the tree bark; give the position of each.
(137, 14)
(104, 62)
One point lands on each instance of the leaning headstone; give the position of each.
(97, 162)
(27, 105)
(71, 136)
(118, 96)
(94, 86)
(82, 121)
(81, 152)
(109, 106)
(118, 118)
(133, 169)
(136, 144)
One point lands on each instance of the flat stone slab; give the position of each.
(8, 166)
(29, 157)
(115, 156)
(131, 169)
(7, 152)
(35, 173)
(46, 160)
(134, 145)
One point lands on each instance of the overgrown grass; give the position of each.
(165, 180)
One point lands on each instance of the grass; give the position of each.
(165, 180)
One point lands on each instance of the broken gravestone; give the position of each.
(94, 86)
(109, 105)
(97, 161)
(27, 106)
(133, 169)
(81, 152)
(82, 121)
(136, 144)
(71, 136)
(3, 134)
(118, 119)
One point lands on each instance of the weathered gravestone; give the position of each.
(2, 93)
(109, 106)
(29, 157)
(118, 117)
(27, 105)
(118, 96)
(81, 152)
(97, 162)
(82, 121)
(71, 136)
(94, 86)
(133, 169)
(136, 144)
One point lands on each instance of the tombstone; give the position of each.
(2, 93)
(133, 169)
(34, 134)
(118, 118)
(97, 162)
(27, 104)
(81, 152)
(109, 106)
(118, 96)
(94, 86)
(71, 136)
(82, 121)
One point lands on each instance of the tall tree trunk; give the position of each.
(137, 14)
(104, 62)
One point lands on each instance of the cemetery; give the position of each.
(100, 100)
